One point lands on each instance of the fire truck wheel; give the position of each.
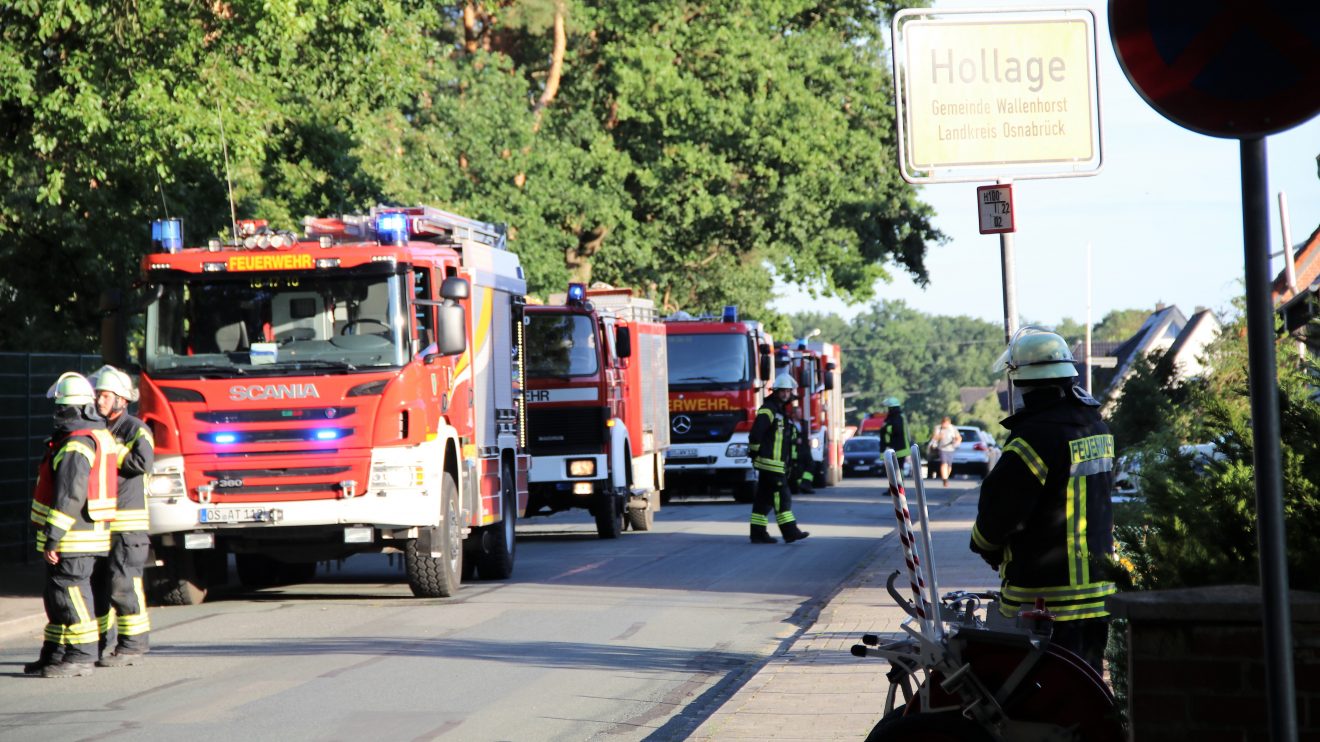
(432, 577)
(641, 519)
(498, 540)
(932, 727)
(609, 515)
(177, 581)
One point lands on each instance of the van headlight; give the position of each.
(166, 478)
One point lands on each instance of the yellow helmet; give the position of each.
(1035, 353)
(71, 389)
(111, 379)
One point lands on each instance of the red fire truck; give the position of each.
(354, 389)
(597, 407)
(816, 368)
(718, 371)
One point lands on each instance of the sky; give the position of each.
(1163, 218)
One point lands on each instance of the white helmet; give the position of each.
(1035, 353)
(784, 381)
(71, 389)
(111, 379)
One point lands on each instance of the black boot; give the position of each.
(761, 536)
(792, 532)
(47, 657)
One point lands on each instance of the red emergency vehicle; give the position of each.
(597, 407)
(352, 389)
(718, 371)
(815, 366)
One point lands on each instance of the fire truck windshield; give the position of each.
(709, 361)
(561, 345)
(276, 324)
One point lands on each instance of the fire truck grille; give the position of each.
(702, 427)
(226, 417)
(286, 491)
(303, 471)
(565, 430)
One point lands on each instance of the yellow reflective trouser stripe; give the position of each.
(765, 464)
(760, 520)
(130, 520)
(785, 517)
(84, 631)
(1029, 456)
(981, 540)
(103, 622)
(133, 625)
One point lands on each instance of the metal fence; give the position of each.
(25, 423)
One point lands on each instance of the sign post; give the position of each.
(1215, 70)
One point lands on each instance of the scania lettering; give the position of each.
(597, 419)
(718, 370)
(355, 388)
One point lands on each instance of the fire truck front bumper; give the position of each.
(576, 468)
(725, 458)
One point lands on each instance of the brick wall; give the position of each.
(1196, 668)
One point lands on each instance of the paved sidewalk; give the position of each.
(816, 689)
(22, 616)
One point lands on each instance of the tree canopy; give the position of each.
(696, 152)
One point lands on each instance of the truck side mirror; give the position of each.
(765, 366)
(623, 342)
(829, 379)
(454, 288)
(452, 324)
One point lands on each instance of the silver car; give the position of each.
(977, 454)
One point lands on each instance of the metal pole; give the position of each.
(1010, 296)
(1271, 536)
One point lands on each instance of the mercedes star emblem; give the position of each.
(681, 424)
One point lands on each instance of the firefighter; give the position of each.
(1045, 519)
(800, 476)
(118, 580)
(894, 433)
(771, 447)
(74, 499)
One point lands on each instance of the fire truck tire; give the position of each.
(609, 515)
(177, 582)
(932, 727)
(431, 577)
(499, 540)
(745, 492)
(641, 519)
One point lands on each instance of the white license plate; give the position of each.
(233, 515)
(683, 453)
(862, 467)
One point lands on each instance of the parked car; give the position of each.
(862, 457)
(1127, 471)
(977, 454)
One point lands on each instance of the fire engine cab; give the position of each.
(352, 389)
(597, 407)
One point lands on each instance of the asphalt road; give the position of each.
(642, 637)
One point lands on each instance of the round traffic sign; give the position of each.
(1227, 68)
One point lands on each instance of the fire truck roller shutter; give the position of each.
(620, 456)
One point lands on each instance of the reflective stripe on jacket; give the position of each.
(769, 441)
(1047, 506)
(75, 493)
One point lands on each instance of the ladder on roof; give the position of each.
(430, 220)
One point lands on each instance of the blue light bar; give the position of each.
(392, 228)
(576, 292)
(731, 313)
(328, 434)
(225, 438)
(167, 235)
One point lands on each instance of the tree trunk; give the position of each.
(556, 67)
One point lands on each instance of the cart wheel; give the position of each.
(936, 727)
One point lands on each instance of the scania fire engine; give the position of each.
(718, 370)
(353, 389)
(597, 407)
(815, 367)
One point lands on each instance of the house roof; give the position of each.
(1166, 323)
(1181, 343)
(1306, 259)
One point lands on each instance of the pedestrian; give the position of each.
(1045, 519)
(894, 433)
(771, 447)
(946, 439)
(74, 499)
(933, 456)
(118, 580)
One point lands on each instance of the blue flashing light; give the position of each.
(167, 235)
(328, 434)
(225, 438)
(392, 228)
(731, 313)
(576, 292)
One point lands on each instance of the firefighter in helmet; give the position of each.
(770, 444)
(894, 433)
(118, 580)
(71, 507)
(1045, 519)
